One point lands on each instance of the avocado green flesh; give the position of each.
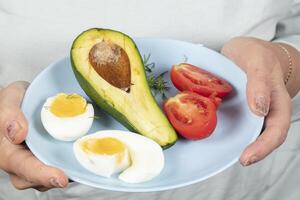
(137, 110)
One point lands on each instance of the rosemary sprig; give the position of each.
(156, 82)
(148, 66)
(159, 85)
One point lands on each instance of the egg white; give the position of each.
(103, 165)
(147, 159)
(66, 128)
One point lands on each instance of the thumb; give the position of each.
(22, 163)
(13, 124)
(258, 93)
(258, 81)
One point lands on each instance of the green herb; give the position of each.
(156, 82)
(159, 85)
(148, 66)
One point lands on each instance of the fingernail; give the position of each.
(251, 161)
(261, 105)
(55, 182)
(12, 129)
(246, 163)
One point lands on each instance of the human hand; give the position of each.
(266, 65)
(25, 170)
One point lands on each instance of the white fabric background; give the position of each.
(34, 33)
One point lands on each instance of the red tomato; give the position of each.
(188, 77)
(192, 115)
(216, 100)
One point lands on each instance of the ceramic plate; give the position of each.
(186, 162)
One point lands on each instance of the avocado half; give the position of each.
(109, 68)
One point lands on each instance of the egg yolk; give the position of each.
(68, 105)
(103, 146)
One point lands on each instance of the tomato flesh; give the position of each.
(193, 116)
(187, 77)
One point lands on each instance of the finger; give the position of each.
(42, 188)
(35, 171)
(13, 123)
(277, 125)
(258, 81)
(21, 184)
(21, 162)
(258, 92)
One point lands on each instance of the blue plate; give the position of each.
(186, 162)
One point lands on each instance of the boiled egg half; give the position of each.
(137, 158)
(67, 117)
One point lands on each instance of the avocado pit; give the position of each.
(111, 62)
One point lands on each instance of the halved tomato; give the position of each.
(192, 115)
(187, 77)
